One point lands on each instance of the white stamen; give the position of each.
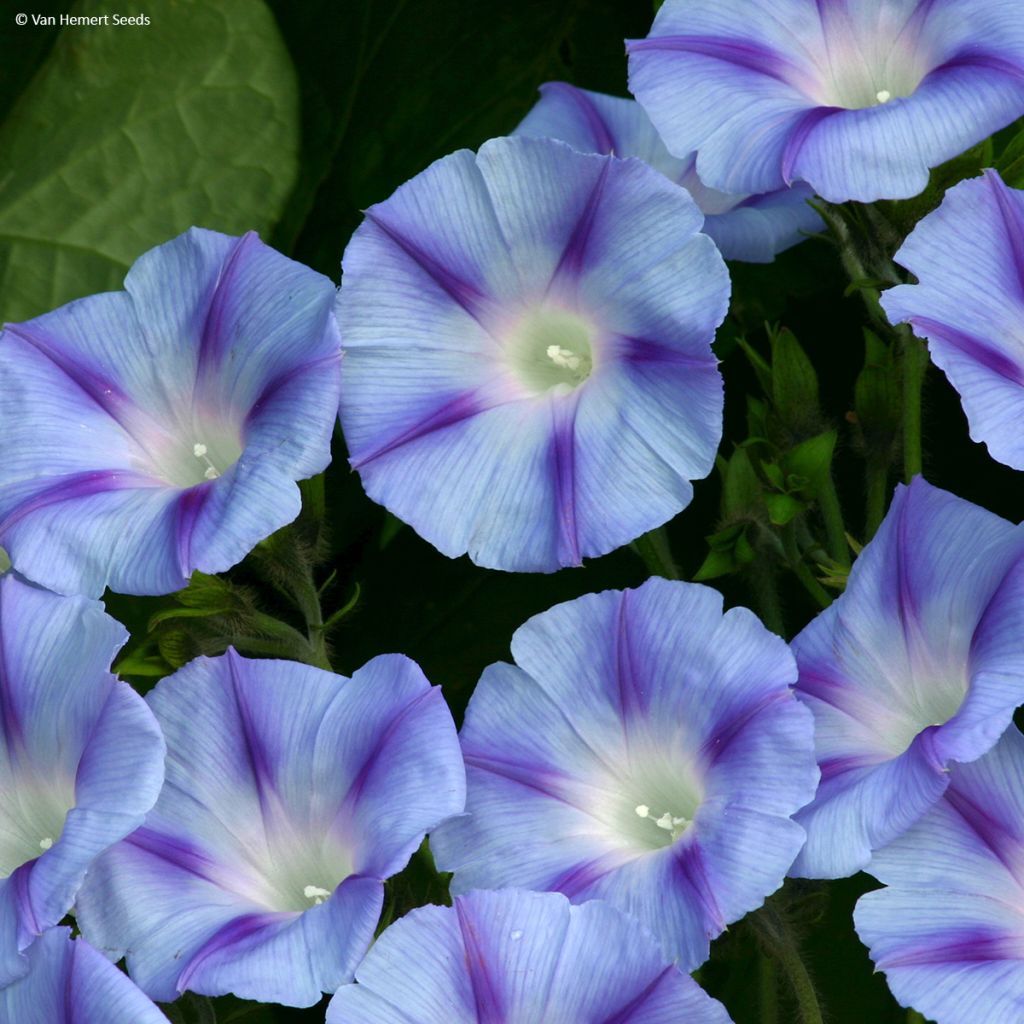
(199, 450)
(665, 822)
(45, 843)
(563, 357)
(316, 894)
(883, 95)
(642, 810)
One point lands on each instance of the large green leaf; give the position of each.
(129, 135)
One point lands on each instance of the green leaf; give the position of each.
(718, 563)
(741, 490)
(1010, 164)
(128, 136)
(782, 508)
(812, 459)
(794, 382)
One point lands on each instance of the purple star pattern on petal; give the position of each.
(917, 665)
(161, 429)
(858, 98)
(528, 374)
(291, 795)
(645, 749)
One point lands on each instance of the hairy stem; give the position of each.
(915, 363)
(655, 552)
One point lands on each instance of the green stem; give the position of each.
(877, 473)
(915, 363)
(913, 1017)
(765, 589)
(832, 514)
(656, 553)
(781, 945)
(768, 991)
(800, 568)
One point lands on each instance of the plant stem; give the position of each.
(832, 514)
(800, 568)
(780, 943)
(656, 553)
(913, 1017)
(760, 576)
(877, 474)
(915, 363)
(768, 991)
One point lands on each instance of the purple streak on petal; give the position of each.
(992, 834)
(833, 767)
(973, 347)
(212, 340)
(465, 294)
(743, 53)
(189, 508)
(563, 466)
(454, 409)
(10, 719)
(581, 877)
(979, 59)
(966, 947)
(829, 691)
(631, 698)
(381, 741)
(259, 763)
(77, 485)
(603, 140)
(799, 135)
(176, 850)
(574, 255)
(237, 930)
(487, 994)
(642, 350)
(20, 879)
(283, 380)
(1012, 220)
(727, 731)
(688, 866)
(625, 1015)
(103, 392)
(524, 775)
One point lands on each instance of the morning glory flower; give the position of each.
(918, 665)
(161, 429)
(291, 794)
(520, 957)
(949, 930)
(645, 749)
(81, 757)
(744, 227)
(528, 373)
(969, 303)
(859, 98)
(69, 982)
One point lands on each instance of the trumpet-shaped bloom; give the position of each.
(528, 372)
(81, 757)
(859, 98)
(520, 958)
(917, 665)
(744, 227)
(291, 795)
(646, 750)
(968, 257)
(68, 982)
(161, 429)
(949, 930)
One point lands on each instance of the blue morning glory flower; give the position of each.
(161, 429)
(917, 665)
(644, 749)
(969, 304)
(859, 98)
(949, 930)
(81, 757)
(68, 982)
(524, 957)
(744, 227)
(528, 373)
(291, 794)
